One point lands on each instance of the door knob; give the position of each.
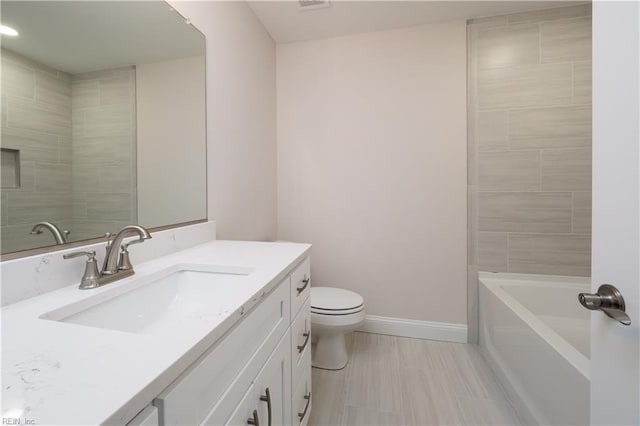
(608, 300)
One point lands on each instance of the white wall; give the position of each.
(372, 165)
(170, 100)
(241, 122)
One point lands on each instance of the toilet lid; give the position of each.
(334, 299)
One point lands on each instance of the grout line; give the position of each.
(539, 170)
(508, 251)
(572, 209)
(539, 43)
(573, 83)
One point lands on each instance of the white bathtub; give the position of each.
(535, 335)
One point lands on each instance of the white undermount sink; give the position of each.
(160, 301)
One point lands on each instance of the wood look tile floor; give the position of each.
(400, 381)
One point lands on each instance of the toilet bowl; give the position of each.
(334, 312)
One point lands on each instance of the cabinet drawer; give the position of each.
(268, 400)
(300, 285)
(205, 386)
(302, 397)
(300, 339)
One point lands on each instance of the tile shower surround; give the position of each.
(530, 142)
(529, 145)
(104, 158)
(60, 182)
(36, 120)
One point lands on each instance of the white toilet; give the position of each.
(334, 312)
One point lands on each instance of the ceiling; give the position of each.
(82, 36)
(286, 22)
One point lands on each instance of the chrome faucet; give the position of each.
(58, 235)
(115, 266)
(111, 261)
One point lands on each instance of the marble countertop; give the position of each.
(60, 373)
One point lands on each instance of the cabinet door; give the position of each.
(274, 404)
(302, 393)
(275, 380)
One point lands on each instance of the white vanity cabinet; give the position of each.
(301, 343)
(250, 375)
(268, 400)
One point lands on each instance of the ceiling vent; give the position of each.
(313, 4)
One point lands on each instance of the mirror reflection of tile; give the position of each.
(73, 149)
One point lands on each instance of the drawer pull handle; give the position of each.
(305, 281)
(267, 398)
(306, 407)
(306, 340)
(254, 421)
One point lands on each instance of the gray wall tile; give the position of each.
(565, 40)
(550, 254)
(30, 208)
(3, 210)
(582, 83)
(509, 171)
(18, 237)
(54, 90)
(27, 179)
(566, 169)
(526, 86)
(117, 90)
(488, 22)
(540, 212)
(110, 120)
(38, 116)
(550, 127)
(17, 80)
(492, 130)
(109, 207)
(84, 178)
(3, 112)
(582, 212)
(472, 223)
(103, 137)
(84, 229)
(95, 75)
(114, 178)
(508, 46)
(492, 247)
(530, 127)
(65, 150)
(53, 177)
(552, 14)
(33, 146)
(79, 207)
(86, 93)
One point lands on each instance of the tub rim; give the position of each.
(494, 281)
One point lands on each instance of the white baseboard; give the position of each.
(416, 329)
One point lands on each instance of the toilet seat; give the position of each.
(337, 312)
(335, 301)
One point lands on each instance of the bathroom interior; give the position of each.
(320, 212)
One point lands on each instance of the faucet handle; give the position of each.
(124, 262)
(91, 274)
(90, 254)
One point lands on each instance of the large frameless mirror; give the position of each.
(103, 120)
